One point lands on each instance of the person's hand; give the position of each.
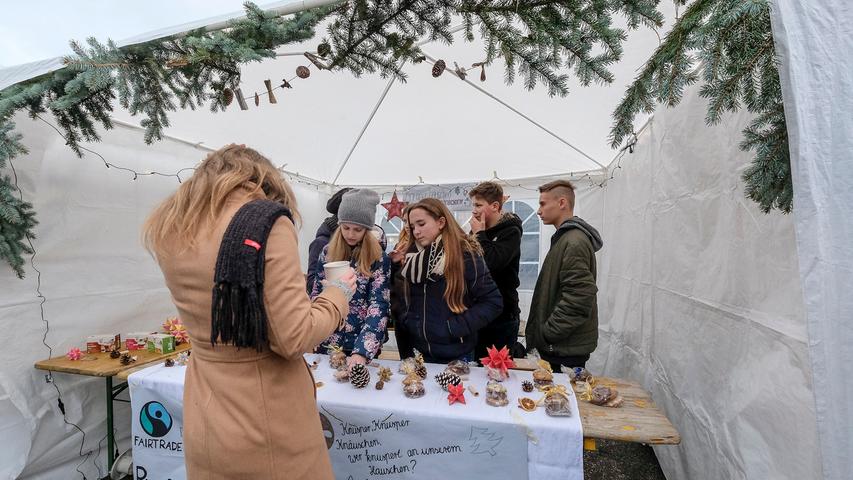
(477, 225)
(349, 279)
(346, 283)
(355, 359)
(399, 253)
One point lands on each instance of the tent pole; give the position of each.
(534, 122)
(364, 129)
(279, 9)
(376, 107)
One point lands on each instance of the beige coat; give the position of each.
(250, 414)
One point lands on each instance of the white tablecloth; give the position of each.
(554, 445)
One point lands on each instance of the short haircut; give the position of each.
(488, 191)
(561, 188)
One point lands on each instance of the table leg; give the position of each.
(110, 439)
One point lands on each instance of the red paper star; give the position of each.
(395, 207)
(500, 360)
(457, 394)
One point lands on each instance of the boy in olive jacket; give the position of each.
(563, 320)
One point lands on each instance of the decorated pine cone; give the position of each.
(438, 68)
(421, 371)
(446, 378)
(527, 386)
(115, 354)
(359, 377)
(126, 359)
(324, 49)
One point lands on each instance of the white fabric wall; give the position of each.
(96, 278)
(815, 44)
(700, 300)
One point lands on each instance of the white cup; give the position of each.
(336, 270)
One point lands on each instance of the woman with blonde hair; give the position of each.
(363, 334)
(227, 246)
(450, 293)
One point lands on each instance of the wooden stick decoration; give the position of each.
(270, 95)
(316, 61)
(240, 100)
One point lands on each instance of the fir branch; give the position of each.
(734, 40)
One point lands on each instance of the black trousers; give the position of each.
(570, 362)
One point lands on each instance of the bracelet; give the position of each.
(348, 292)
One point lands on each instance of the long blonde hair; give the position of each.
(199, 201)
(364, 254)
(455, 243)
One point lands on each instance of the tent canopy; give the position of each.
(435, 130)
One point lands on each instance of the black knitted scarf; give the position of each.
(238, 316)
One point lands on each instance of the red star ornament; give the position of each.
(457, 394)
(395, 207)
(498, 359)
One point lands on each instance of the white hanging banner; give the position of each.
(157, 425)
(388, 444)
(454, 195)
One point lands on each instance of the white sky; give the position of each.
(37, 29)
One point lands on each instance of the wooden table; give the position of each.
(638, 420)
(101, 365)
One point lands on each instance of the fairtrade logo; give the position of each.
(154, 419)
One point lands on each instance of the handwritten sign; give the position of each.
(395, 445)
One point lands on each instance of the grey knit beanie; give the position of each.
(359, 207)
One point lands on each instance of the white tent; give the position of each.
(733, 319)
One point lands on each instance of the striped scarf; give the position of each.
(425, 263)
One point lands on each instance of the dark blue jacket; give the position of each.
(434, 329)
(324, 235)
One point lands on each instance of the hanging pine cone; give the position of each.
(438, 68)
(359, 377)
(446, 378)
(303, 72)
(421, 371)
(527, 386)
(324, 49)
(227, 96)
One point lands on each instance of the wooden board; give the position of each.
(637, 420)
(101, 365)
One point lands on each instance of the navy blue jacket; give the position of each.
(434, 329)
(324, 235)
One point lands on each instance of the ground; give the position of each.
(621, 461)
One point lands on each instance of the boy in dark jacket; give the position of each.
(499, 234)
(563, 322)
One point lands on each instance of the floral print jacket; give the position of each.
(365, 329)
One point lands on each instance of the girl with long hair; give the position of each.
(227, 245)
(450, 292)
(362, 335)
